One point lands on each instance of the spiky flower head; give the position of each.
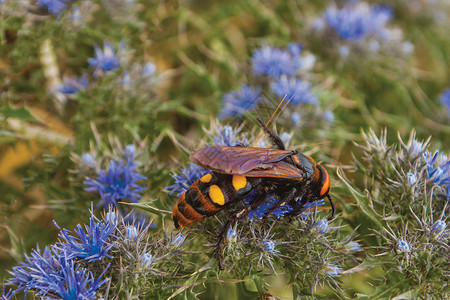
(118, 182)
(237, 103)
(105, 60)
(356, 20)
(187, 177)
(274, 62)
(91, 244)
(54, 6)
(295, 90)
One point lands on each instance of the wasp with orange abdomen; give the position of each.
(293, 178)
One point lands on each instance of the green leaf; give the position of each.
(363, 201)
(21, 113)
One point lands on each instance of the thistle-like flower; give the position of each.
(357, 20)
(72, 86)
(445, 100)
(187, 177)
(295, 90)
(118, 182)
(54, 6)
(275, 62)
(92, 244)
(237, 103)
(105, 60)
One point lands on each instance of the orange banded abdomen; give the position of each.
(207, 196)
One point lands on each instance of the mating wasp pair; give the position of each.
(238, 171)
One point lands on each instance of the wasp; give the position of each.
(238, 171)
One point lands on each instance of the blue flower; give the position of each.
(228, 136)
(73, 85)
(445, 100)
(268, 246)
(321, 226)
(412, 179)
(71, 282)
(333, 270)
(356, 20)
(295, 118)
(149, 70)
(237, 103)
(403, 246)
(187, 177)
(132, 233)
(438, 167)
(295, 90)
(231, 236)
(89, 160)
(105, 60)
(54, 6)
(352, 246)
(92, 244)
(439, 226)
(7, 295)
(28, 273)
(118, 182)
(275, 62)
(52, 272)
(146, 260)
(178, 241)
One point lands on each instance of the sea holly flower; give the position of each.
(237, 103)
(403, 246)
(228, 136)
(352, 246)
(333, 270)
(275, 62)
(71, 86)
(231, 236)
(178, 241)
(295, 90)
(187, 177)
(268, 246)
(71, 282)
(89, 160)
(321, 226)
(439, 226)
(91, 244)
(146, 260)
(54, 6)
(132, 233)
(445, 100)
(356, 20)
(116, 183)
(438, 167)
(105, 60)
(412, 179)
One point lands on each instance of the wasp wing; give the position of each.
(281, 170)
(238, 160)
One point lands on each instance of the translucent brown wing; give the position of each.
(282, 170)
(238, 160)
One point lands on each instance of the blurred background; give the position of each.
(81, 77)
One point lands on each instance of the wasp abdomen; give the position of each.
(209, 195)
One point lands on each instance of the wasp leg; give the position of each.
(275, 138)
(235, 217)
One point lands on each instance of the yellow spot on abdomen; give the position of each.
(216, 195)
(239, 182)
(206, 178)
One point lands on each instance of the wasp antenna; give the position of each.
(275, 138)
(333, 209)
